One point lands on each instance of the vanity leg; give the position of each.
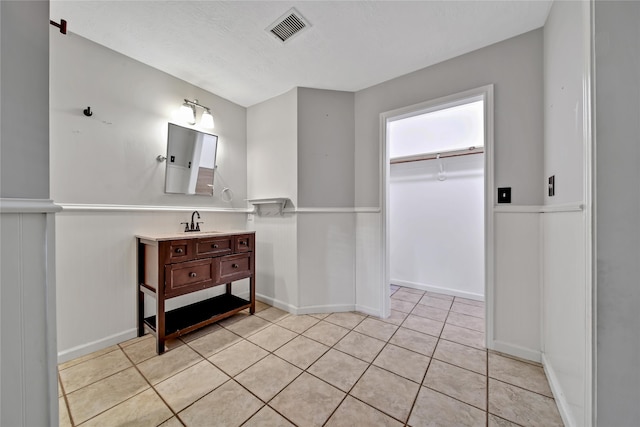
(140, 313)
(160, 325)
(140, 249)
(252, 293)
(228, 288)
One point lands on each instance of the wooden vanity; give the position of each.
(179, 264)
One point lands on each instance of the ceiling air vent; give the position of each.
(288, 25)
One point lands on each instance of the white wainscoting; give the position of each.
(516, 287)
(566, 313)
(326, 261)
(27, 313)
(96, 270)
(306, 260)
(370, 298)
(276, 260)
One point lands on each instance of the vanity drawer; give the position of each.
(178, 250)
(213, 246)
(234, 267)
(243, 243)
(189, 276)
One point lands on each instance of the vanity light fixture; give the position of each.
(207, 119)
(187, 113)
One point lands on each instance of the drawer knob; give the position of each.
(214, 246)
(235, 265)
(243, 242)
(179, 250)
(192, 274)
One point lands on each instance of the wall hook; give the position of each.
(87, 112)
(62, 25)
(441, 173)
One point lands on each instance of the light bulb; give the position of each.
(187, 113)
(207, 120)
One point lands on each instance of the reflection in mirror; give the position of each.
(191, 161)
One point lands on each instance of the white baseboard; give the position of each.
(368, 310)
(438, 289)
(516, 350)
(334, 308)
(558, 394)
(276, 303)
(84, 349)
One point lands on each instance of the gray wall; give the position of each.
(514, 66)
(110, 157)
(24, 134)
(325, 148)
(617, 113)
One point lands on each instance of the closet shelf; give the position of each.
(269, 206)
(435, 155)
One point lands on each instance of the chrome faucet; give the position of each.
(194, 226)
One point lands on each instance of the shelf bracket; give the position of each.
(267, 207)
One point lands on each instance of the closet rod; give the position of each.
(443, 154)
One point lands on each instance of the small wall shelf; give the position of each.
(267, 207)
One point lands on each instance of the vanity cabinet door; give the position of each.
(234, 267)
(190, 276)
(214, 246)
(243, 243)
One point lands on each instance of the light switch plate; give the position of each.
(504, 195)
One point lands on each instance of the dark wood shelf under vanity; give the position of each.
(194, 316)
(174, 265)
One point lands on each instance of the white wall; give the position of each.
(272, 148)
(105, 174)
(28, 390)
(96, 272)
(326, 261)
(272, 165)
(300, 146)
(565, 290)
(515, 68)
(617, 113)
(516, 299)
(565, 333)
(437, 227)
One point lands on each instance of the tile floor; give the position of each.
(423, 366)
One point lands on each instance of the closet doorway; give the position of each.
(437, 204)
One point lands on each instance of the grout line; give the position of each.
(298, 334)
(520, 387)
(66, 400)
(88, 359)
(487, 387)
(152, 387)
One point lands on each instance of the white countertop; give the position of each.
(191, 235)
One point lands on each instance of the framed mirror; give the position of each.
(191, 161)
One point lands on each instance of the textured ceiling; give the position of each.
(222, 46)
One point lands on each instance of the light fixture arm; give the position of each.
(196, 104)
(207, 118)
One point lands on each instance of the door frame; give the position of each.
(484, 93)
